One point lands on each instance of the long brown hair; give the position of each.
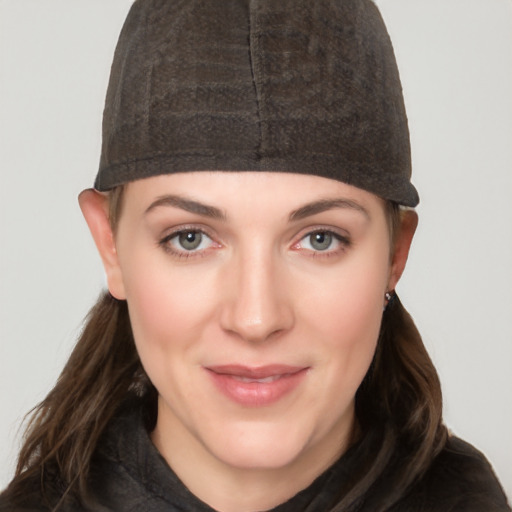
(398, 405)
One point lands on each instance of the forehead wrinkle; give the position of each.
(323, 205)
(189, 205)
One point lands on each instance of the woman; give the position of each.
(251, 353)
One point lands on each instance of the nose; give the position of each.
(257, 303)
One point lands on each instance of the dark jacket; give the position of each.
(129, 475)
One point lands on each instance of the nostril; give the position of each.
(257, 325)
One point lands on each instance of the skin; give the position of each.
(256, 291)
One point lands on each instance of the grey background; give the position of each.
(455, 58)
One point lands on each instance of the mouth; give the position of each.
(261, 381)
(256, 386)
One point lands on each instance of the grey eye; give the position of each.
(190, 240)
(320, 241)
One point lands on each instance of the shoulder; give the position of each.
(466, 469)
(460, 479)
(34, 499)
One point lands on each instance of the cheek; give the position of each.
(168, 313)
(352, 340)
(167, 306)
(347, 315)
(351, 298)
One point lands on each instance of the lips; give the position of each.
(256, 386)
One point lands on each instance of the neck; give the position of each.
(244, 489)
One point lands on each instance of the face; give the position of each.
(256, 301)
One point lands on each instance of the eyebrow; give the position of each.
(188, 205)
(324, 205)
(205, 210)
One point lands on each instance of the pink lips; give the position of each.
(256, 386)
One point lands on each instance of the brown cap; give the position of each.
(296, 86)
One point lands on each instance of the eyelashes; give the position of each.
(196, 242)
(323, 242)
(188, 242)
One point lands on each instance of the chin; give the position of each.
(261, 446)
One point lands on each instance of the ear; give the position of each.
(409, 222)
(95, 209)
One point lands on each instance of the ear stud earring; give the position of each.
(389, 297)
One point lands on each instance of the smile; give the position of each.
(261, 381)
(256, 386)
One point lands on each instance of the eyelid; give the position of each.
(342, 237)
(163, 240)
(340, 233)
